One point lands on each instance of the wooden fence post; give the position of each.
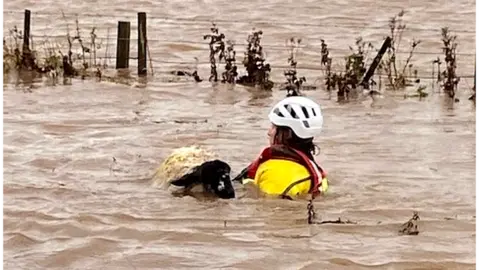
(26, 31)
(123, 45)
(142, 44)
(375, 63)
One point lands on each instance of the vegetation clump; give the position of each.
(18, 57)
(449, 78)
(293, 84)
(258, 72)
(52, 62)
(4, 54)
(217, 48)
(396, 73)
(399, 73)
(230, 74)
(346, 81)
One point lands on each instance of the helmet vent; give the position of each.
(291, 111)
(277, 112)
(306, 124)
(305, 112)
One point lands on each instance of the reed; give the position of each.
(294, 83)
(398, 75)
(449, 77)
(217, 49)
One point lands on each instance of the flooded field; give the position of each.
(77, 157)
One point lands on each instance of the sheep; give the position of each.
(195, 170)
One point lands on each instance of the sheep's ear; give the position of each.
(188, 179)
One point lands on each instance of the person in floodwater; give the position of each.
(287, 167)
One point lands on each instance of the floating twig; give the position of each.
(410, 227)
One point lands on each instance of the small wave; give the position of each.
(51, 128)
(15, 240)
(404, 265)
(182, 47)
(83, 254)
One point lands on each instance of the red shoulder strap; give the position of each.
(315, 181)
(264, 155)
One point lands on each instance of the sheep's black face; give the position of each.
(216, 177)
(213, 175)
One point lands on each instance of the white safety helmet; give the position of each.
(299, 113)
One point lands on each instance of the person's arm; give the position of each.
(241, 175)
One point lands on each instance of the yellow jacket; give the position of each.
(275, 176)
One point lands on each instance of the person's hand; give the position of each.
(241, 175)
(324, 186)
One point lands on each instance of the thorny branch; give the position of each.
(217, 46)
(258, 72)
(397, 77)
(450, 79)
(293, 84)
(230, 74)
(355, 66)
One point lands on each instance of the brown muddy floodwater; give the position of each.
(67, 205)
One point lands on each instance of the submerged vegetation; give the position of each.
(293, 84)
(347, 81)
(449, 77)
(398, 75)
(217, 49)
(258, 72)
(358, 70)
(49, 60)
(230, 74)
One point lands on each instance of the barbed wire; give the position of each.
(284, 67)
(100, 57)
(216, 20)
(205, 45)
(266, 46)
